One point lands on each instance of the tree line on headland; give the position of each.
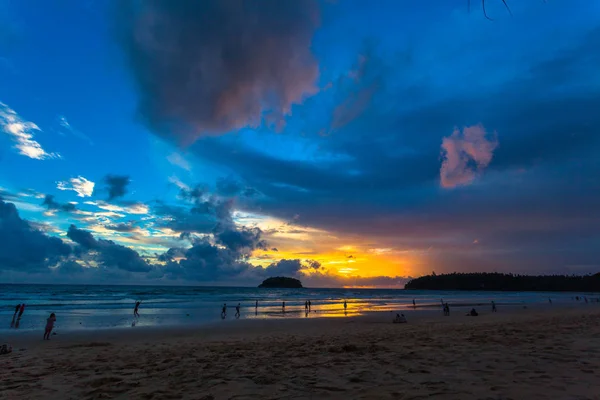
(506, 282)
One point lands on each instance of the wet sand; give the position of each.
(537, 353)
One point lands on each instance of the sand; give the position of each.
(551, 353)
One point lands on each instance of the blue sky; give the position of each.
(344, 142)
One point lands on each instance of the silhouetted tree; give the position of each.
(501, 282)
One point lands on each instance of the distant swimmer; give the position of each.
(237, 311)
(224, 311)
(135, 310)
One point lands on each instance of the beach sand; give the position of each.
(545, 353)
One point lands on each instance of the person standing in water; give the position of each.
(224, 311)
(237, 311)
(49, 326)
(494, 306)
(345, 306)
(256, 308)
(414, 304)
(21, 311)
(135, 309)
(283, 306)
(12, 324)
(309, 305)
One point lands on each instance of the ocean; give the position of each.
(98, 307)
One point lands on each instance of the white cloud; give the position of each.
(178, 160)
(177, 182)
(64, 123)
(80, 185)
(22, 133)
(135, 208)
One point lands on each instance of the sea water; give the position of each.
(97, 307)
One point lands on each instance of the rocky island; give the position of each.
(281, 282)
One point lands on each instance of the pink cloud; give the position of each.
(465, 155)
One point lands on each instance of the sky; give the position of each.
(346, 143)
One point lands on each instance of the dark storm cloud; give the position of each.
(290, 268)
(23, 247)
(108, 253)
(121, 227)
(116, 185)
(207, 214)
(82, 237)
(209, 67)
(205, 260)
(52, 204)
(239, 239)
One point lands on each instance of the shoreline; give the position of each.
(78, 307)
(533, 353)
(220, 328)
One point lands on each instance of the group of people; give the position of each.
(237, 310)
(16, 320)
(307, 308)
(308, 305)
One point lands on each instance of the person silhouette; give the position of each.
(283, 306)
(21, 310)
(224, 311)
(237, 311)
(12, 324)
(135, 310)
